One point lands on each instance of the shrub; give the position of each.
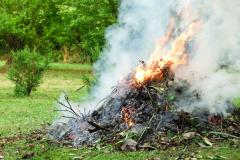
(26, 71)
(88, 81)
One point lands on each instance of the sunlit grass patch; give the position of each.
(2, 63)
(65, 66)
(236, 102)
(24, 114)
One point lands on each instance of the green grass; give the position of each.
(23, 114)
(2, 63)
(44, 150)
(236, 102)
(62, 66)
(26, 114)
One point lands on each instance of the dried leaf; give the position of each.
(201, 145)
(129, 145)
(188, 135)
(207, 141)
(1, 156)
(220, 157)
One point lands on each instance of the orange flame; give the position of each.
(127, 116)
(169, 52)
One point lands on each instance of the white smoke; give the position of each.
(140, 24)
(213, 64)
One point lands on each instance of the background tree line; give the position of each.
(68, 30)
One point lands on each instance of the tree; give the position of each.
(68, 26)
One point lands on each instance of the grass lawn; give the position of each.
(60, 66)
(2, 63)
(21, 116)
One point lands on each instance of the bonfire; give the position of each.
(142, 109)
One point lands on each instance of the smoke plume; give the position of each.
(214, 61)
(214, 64)
(140, 24)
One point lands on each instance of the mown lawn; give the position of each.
(60, 66)
(21, 116)
(2, 63)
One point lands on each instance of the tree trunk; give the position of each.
(66, 53)
(8, 59)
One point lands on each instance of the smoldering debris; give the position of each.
(145, 114)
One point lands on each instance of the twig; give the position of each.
(110, 95)
(63, 110)
(61, 103)
(68, 117)
(103, 100)
(224, 134)
(67, 99)
(151, 87)
(150, 96)
(98, 126)
(159, 124)
(143, 63)
(68, 107)
(80, 88)
(145, 129)
(183, 151)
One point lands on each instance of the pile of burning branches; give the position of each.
(142, 114)
(144, 107)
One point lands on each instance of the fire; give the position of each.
(152, 71)
(128, 116)
(169, 52)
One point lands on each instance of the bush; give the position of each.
(26, 71)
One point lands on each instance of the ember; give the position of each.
(128, 115)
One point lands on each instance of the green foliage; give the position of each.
(50, 25)
(88, 81)
(26, 71)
